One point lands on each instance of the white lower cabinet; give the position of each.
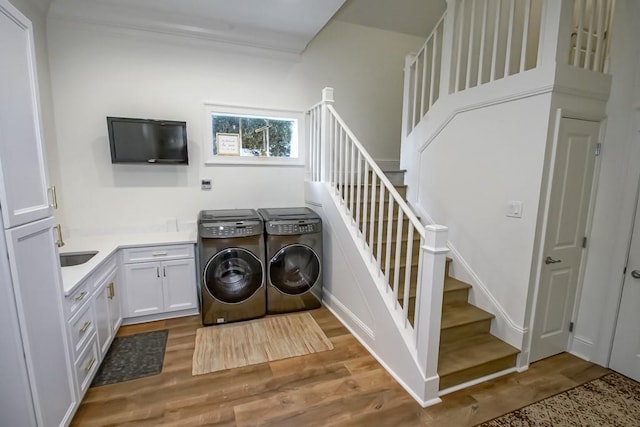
(94, 315)
(106, 303)
(159, 286)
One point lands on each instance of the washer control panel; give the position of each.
(224, 230)
(294, 227)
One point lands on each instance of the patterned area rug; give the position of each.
(257, 341)
(131, 357)
(612, 400)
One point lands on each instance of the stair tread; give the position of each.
(462, 313)
(476, 351)
(451, 284)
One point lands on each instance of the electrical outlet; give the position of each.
(205, 184)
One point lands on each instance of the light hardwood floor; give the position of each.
(342, 387)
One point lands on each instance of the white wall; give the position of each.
(467, 176)
(616, 193)
(97, 71)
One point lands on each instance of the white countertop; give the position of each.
(107, 245)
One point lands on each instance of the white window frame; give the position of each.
(222, 109)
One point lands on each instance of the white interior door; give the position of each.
(572, 179)
(625, 354)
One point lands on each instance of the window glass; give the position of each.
(253, 136)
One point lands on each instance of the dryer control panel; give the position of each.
(223, 230)
(294, 227)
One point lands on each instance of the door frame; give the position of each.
(623, 280)
(543, 217)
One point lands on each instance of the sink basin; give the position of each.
(77, 258)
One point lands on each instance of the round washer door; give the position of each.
(233, 275)
(294, 269)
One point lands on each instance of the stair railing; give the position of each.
(410, 257)
(477, 42)
(422, 76)
(590, 37)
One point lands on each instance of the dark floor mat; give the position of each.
(131, 357)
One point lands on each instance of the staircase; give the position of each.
(467, 351)
(480, 54)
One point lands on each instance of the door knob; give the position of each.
(635, 274)
(549, 260)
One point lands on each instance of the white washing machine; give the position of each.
(294, 259)
(232, 272)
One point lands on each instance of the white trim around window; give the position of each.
(298, 147)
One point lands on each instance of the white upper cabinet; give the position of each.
(23, 178)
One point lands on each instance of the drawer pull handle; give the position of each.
(81, 296)
(85, 327)
(54, 197)
(163, 253)
(112, 292)
(90, 364)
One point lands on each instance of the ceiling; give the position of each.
(282, 25)
(415, 17)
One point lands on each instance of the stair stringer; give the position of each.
(346, 265)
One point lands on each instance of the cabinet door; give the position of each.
(179, 284)
(103, 324)
(35, 276)
(115, 305)
(143, 291)
(23, 184)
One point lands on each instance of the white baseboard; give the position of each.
(159, 316)
(581, 347)
(334, 306)
(477, 381)
(343, 313)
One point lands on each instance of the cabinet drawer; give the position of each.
(87, 365)
(103, 271)
(78, 298)
(82, 328)
(157, 253)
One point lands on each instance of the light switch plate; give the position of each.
(514, 209)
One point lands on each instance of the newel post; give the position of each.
(325, 146)
(429, 304)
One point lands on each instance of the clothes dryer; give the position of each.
(232, 272)
(294, 259)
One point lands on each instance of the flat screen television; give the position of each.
(147, 141)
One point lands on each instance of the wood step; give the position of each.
(473, 358)
(462, 321)
(455, 291)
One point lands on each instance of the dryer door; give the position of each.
(294, 269)
(233, 275)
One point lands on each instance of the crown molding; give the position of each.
(129, 18)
